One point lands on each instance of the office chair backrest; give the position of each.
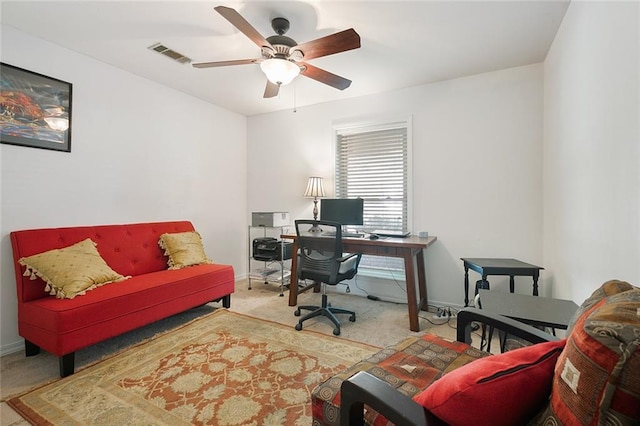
(319, 251)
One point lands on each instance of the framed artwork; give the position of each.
(35, 110)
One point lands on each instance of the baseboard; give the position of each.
(11, 348)
(387, 290)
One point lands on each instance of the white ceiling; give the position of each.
(404, 43)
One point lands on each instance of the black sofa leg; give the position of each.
(67, 364)
(226, 301)
(30, 349)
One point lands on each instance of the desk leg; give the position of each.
(293, 285)
(422, 281)
(535, 283)
(411, 291)
(466, 285)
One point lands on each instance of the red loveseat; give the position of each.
(62, 326)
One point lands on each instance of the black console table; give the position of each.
(497, 266)
(532, 310)
(536, 311)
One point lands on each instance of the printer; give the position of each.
(269, 248)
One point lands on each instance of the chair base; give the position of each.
(325, 310)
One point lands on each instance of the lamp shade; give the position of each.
(280, 71)
(314, 188)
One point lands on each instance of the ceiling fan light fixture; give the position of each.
(280, 71)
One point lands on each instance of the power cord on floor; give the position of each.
(447, 320)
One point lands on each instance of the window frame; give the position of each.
(373, 124)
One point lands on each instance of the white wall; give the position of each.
(477, 162)
(139, 152)
(143, 152)
(591, 149)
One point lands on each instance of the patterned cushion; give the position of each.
(70, 271)
(409, 367)
(607, 289)
(597, 377)
(183, 249)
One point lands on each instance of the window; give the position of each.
(372, 163)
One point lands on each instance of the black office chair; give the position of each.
(320, 259)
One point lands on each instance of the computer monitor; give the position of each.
(346, 211)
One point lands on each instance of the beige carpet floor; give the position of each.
(378, 323)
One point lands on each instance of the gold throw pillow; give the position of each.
(183, 249)
(70, 271)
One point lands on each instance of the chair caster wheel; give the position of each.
(298, 326)
(352, 318)
(336, 331)
(297, 312)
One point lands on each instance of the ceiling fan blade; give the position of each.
(271, 90)
(226, 63)
(334, 43)
(325, 77)
(245, 27)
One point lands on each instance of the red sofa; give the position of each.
(62, 326)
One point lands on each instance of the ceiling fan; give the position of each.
(283, 58)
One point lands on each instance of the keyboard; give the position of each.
(345, 234)
(390, 233)
(352, 235)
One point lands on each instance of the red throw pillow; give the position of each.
(504, 389)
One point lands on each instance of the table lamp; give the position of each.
(315, 190)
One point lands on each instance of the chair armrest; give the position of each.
(363, 388)
(512, 327)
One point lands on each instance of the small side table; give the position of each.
(497, 266)
(532, 310)
(536, 311)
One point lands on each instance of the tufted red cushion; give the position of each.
(504, 389)
(130, 249)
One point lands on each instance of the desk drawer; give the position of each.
(386, 251)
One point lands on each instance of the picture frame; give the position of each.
(35, 110)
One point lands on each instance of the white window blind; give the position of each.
(372, 163)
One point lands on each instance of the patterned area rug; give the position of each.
(224, 368)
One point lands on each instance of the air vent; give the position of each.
(164, 50)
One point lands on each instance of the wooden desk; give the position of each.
(410, 249)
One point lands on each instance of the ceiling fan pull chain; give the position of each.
(295, 91)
